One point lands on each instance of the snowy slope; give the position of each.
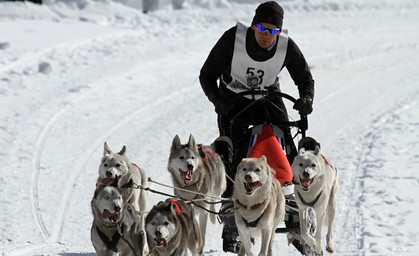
(76, 73)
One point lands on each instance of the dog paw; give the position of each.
(329, 249)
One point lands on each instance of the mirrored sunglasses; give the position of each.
(272, 31)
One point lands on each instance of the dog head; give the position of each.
(307, 167)
(113, 165)
(184, 160)
(108, 201)
(161, 224)
(252, 173)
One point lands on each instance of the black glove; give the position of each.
(222, 106)
(304, 105)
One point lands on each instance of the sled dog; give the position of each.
(259, 204)
(171, 229)
(116, 225)
(196, 168)
(117, 165)
(316, 188)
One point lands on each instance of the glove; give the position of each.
(222, 106)
(304, 105)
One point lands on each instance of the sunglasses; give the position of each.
(272, 31)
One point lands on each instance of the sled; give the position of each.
(241, 144)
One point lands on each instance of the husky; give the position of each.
(259, 204)
(117, 165)
(171, 229)
(316, 188)
(197, 170)
(116, 225)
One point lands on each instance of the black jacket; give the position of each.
(219, 63)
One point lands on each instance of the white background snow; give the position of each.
(77, 73)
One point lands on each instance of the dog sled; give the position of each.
(243, 136)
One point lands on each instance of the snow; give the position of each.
(77, 73)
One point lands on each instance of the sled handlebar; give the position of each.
(267, 94)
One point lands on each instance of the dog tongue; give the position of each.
(107, 181)
(163, 241)
(306, 183)
(185, 176)
(107, 214)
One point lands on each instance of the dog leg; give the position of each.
(246, 247)
(318, 236)
(331, 213)
(203, 218)
(266, 240)
(305, 227)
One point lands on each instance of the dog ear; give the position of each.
(122, 152)
(317, 150)
(106, 149)
(175, 142)
(263, 158)
(302, 151)
(191, 141)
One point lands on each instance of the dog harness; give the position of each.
(110, 243)
(312, 203)
(254, 223)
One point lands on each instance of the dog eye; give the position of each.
(118, 165)
(106, 165)
(257, 170)
(192, 157)
(313, 165)
(244, 169)
(181, 157)
(106, 197)
(300, 164)
(153, 223)
(166, 223)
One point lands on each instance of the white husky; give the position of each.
(117, 165)
(317, 188)
(260, 204)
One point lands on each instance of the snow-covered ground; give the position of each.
(76, 73)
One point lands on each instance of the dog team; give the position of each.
(122, 223)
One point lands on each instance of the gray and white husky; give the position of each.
(112, 216)
(197, 168)
(259, 204)
(172, 229)
(317, 188)
(116, 165)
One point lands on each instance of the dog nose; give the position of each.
(190, 167)
(158, 233)
(117, 208)
(248, 178)
(306, 174)
(108, 174)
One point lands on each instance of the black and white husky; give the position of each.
(116, 224)
(130, 176)
(172, 229)
(197, 169)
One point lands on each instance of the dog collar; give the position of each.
(253, 207)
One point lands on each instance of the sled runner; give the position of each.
(263, 135)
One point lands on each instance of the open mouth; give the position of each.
(160, 242)
(113, 217)
(108, 181)
(186, 176)
(306, 183)
(251, 186)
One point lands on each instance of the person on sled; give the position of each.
(252, 57)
